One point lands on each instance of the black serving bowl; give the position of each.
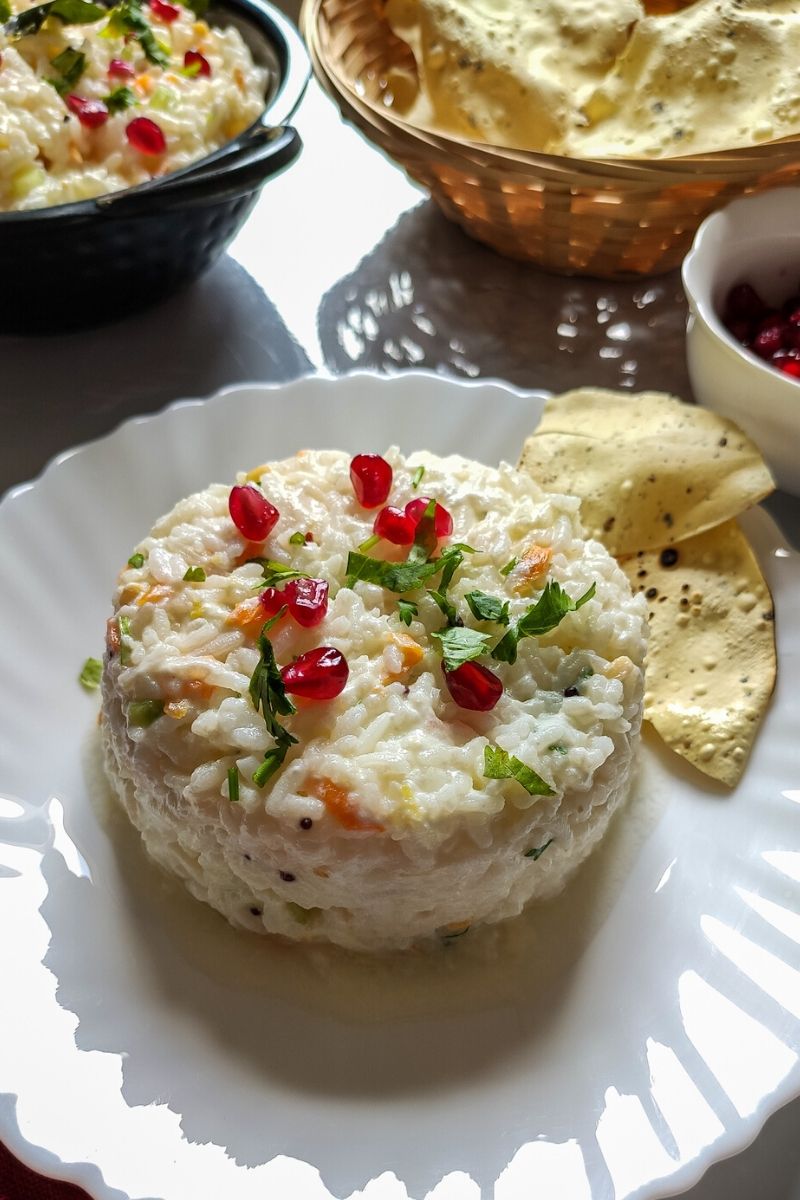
(76, 265)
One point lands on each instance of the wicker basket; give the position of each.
(612, 219)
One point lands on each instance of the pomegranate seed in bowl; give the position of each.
(146, 136)
(319, 674)
(371, 477)
(307, 600)
(442, 521)
(395, 526)
(473, 686)
(91, 113)
(252, 513)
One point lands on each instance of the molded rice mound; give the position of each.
(380, 829)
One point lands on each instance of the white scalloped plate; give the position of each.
(612, 1044)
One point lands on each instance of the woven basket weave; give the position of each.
(612, 219)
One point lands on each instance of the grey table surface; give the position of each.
(345, 265)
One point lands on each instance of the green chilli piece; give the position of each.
(233, 784)
(195, 575)
(91, 674)
(142, 713)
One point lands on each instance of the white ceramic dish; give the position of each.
(612, 1044)
(757, 240)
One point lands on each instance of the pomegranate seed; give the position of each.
(319, 674)
(741, 329)
(252, 513)
(307, 600)
(744, 301)
(371, 476)
(442, 521)
(473, 686)
(145, 136)
(271, 601)
(91, 113)
(119, 69)
(770, 337)
(165, 12)
(790, 367)
(395, 526)
(192, 57)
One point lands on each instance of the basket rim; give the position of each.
(740, 161)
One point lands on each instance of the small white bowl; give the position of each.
(754, 240)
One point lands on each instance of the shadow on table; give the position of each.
(429, 296)
(77, 386)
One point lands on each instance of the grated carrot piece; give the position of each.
(341, 805)
(112, 635)
(411, 653)
(248, 612)
(535, 563)
(155, 594)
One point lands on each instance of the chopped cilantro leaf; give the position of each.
(297, 539)
(268, 693)
(538, 851)
(91, 673)
(499, 764)
(446, 606)
(142, 713)
(425, 538)
(127, 17)
(233, 784)
(136, 560)
(406, 610)
(70, 65)
(195, 575)
(395, 577)
(459, 645)
(31, 20)
(509, 567)
(548, 611)
(120, 99)
(487, 608)
(416, 478)
(451, 558)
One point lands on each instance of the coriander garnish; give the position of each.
(548, 611)
(487, 608)
(460, 644)
(195, 575)
(406, 610)
(268, 693)
(70, 65)
(509, 567)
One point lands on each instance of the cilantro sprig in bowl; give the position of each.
(138, 135)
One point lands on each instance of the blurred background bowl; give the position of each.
(612, 219)
(755, 240)
(75, 265)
